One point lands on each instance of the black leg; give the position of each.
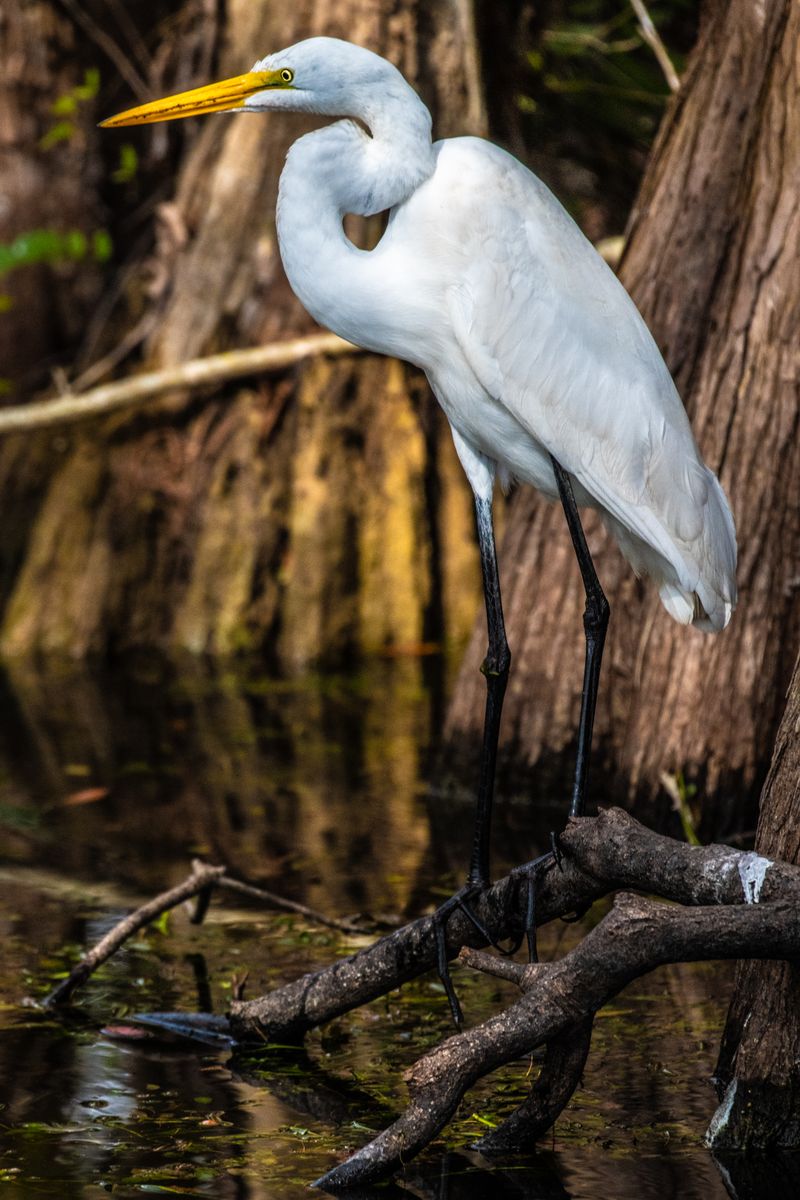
(495, 667)
(595, 623)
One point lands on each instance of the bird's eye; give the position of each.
(286, 75)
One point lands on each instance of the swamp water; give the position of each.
(315, 788)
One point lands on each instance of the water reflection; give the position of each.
(110, 782)
(279, 780)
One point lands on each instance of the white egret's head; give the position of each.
(320, 75)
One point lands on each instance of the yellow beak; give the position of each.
(215, 97)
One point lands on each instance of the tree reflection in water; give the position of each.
(317, 788)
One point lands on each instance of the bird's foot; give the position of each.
(530, 872)
(460, 902)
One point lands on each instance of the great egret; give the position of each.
(543, 366)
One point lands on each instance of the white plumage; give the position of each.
(531, 344)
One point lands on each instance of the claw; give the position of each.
(443, 969)
(460, 902)
(530, 871)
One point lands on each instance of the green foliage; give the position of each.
(53, 247)
(66, 107)
(128, 164)
(686, 792)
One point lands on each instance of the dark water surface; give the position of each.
(317, 788)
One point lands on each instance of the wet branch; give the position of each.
(202, 877)
(557, 1006)
(730, 904)
(201, 883)
(601, 855)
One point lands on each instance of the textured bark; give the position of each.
(307, 516)
(759, 1066)
(42, 186)
(711, 262)
(602, 855)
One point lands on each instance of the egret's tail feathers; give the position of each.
(715, 591)
(679, 604)
(696, 579)
(687, 608)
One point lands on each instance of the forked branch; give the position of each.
(730, 904)
(600, 855)
(556, 1008)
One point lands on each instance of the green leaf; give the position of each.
(62, 131)
(102, 245)
(128, 164)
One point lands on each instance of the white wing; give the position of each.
(553, 336)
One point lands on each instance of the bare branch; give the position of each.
(201, 883)
(653, 39)
(736, 904)
(201, 877)
(198, 372)
(636, 936)
(601, 855)
(559, 1076)
(280, 902)
(490, 964)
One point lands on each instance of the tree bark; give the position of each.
(45, 184)
(305, 517)
(758, 1072)
(710, 261)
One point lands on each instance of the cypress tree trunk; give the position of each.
(759, 1066)
(711, 262)
(303, 515)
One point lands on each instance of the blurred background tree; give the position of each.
(319, 515)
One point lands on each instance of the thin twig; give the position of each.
(202, 875)
(247, 889)
(653, 39)
(198, 372)
(201, 883)
(107, 44)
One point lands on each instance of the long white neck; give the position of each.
(343, 169)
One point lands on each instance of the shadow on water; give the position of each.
(317, 788)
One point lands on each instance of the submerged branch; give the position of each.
(202, 877)
(636, 936)
(301, 910)
(600, 855)
(201, 883)
(730, 904)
